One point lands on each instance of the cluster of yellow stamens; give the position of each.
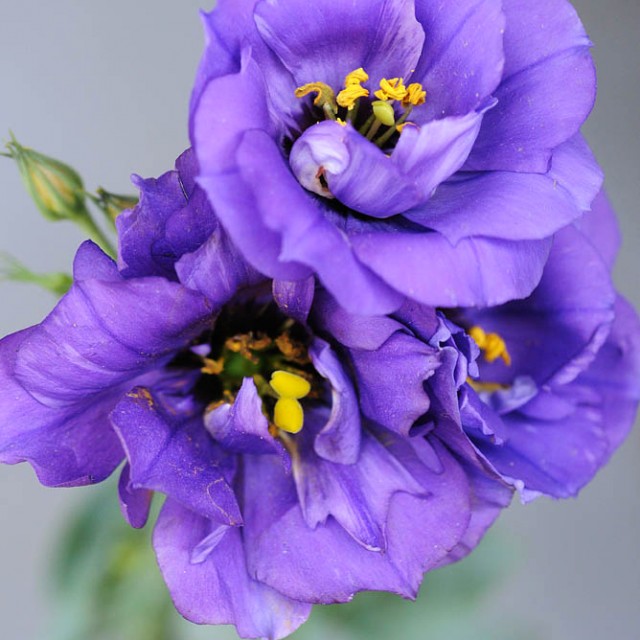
(492, 345)
(383, 111)
(288, 414)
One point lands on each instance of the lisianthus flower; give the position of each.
(396, 148)
(232, 395)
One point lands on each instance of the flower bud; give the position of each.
(113, 204)
(55, 187)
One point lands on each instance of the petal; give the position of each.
(575, 168)
(174, 457)
(391, 381)
(66, 447)
(323, 41)
(339, 439)
(352, 330)
(600, 226)
(499, 204)
(216, 269)
(357, 495)
(229, 29)
(134, 503)
(476, 272)
(172, 218)
(218, 589)
(547, 91)
(462, 60)
(105, 332)
(295, 298)
(326, 565)
(242, 427)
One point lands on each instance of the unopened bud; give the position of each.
(54, 186)
(113, 204)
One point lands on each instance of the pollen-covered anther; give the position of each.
(391, 89)
(492, 345)
(350, 95)
(288, 413)
(356, 77)
(416, 95)
(325, 97)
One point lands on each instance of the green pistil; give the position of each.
(384, 138)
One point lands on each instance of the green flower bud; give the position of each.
(55, 187)
(113, 204)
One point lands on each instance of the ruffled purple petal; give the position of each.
(391, 381)
(66, 447)
(498, 204)
(216, 269)
(339, 438)
(295, 298)
(213, 585)
(175, 457)
(476, 272)
(600, 226)
(323, 41)
(325, 564)
(462, 59)
(547, 91)
(134, 503)
(357, 495)
(242, 427)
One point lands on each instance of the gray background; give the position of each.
(105, 87)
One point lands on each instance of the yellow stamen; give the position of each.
(325, 98)
(356, 77)
(491, 345)
(416, 95)
(289, 385)
(391, 89)
(288, 415)
(349, 96)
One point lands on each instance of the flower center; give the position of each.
(380, 120)
(256, 341)
(493, 347)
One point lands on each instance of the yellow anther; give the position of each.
(491, 345)
(400, 127)
(288, 415)
(356, 77)
(391, 89)
(325, 97)
(349, 96)
(383, 111)
(416, 95)
(289, 385)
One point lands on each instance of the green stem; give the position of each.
(88, 225)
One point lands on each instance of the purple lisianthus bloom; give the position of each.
(289, 480)
(396, 148)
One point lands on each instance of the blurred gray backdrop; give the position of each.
(105, 87)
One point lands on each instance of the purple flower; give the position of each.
(237, 398)
(396, 147)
